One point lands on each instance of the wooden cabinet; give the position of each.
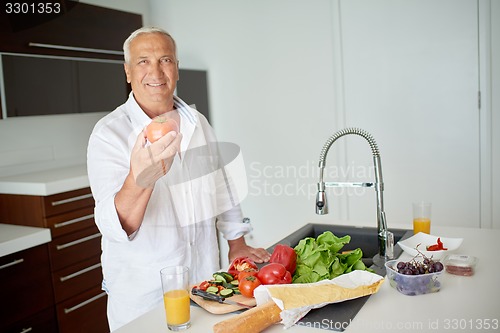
(73, 256)
(26, 291)
(83, 313)
(76, 48)
(43, 322)
(76, 25)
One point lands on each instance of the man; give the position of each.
(149, 211)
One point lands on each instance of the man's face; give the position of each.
(153, 72)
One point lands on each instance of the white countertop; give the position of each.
(464, 304)
(14, 238)
(46, 182)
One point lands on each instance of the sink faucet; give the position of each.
(385, 237)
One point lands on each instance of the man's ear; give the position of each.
(125, 67)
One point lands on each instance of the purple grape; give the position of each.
(438, 267)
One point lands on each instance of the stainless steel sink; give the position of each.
(336, 317)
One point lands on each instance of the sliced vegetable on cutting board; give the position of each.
(240, 264)
(224, 285)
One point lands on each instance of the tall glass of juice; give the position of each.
(175, 284)
(421, 217)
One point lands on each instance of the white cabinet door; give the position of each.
(410, 78)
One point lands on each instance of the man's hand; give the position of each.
(149, 163)
(239, 248)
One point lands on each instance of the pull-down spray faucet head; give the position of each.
(321, 204)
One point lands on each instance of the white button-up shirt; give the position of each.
(179, 225)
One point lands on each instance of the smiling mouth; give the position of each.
(155, 84)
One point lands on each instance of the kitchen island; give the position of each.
(464, 304)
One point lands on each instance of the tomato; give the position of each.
(204, 285)
(240, 264)
(160, 126)
(274, 273)
(248, 285)
(247, 272)
(285, 255)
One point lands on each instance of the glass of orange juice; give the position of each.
(175, 284)
(422, 217)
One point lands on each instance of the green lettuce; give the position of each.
(319, 259)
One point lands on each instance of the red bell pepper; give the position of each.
(240, 264)
(274, 273)
(285, 255)
(436, 247)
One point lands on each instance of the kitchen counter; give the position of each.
(46, 182)
(464, 304)
(14, 238)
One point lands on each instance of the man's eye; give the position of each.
(166, 60)
(142, 61)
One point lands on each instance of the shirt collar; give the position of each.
(185, 110)
(139, 117)
(189, 118)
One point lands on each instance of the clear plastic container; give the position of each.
(460, 264)
(412, 285)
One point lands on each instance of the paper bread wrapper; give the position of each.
(296, 300)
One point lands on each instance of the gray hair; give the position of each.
(144, 30)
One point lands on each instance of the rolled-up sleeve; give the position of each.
(230, 224)
(107, 166)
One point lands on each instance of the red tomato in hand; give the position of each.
(160, 126)
(248, 285)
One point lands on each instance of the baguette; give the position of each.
(254, 320)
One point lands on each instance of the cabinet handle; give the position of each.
(83, 271)
(65, 201)
(90, 300)
(75, 48)
(15, 262)
(79, 219)
(78, 241)
(26, 330)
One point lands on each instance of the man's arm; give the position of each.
(131, 202)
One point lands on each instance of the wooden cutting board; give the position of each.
(218, 308)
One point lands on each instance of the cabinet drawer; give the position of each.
(42, 322)
(77, 278)
(67, 201)
(75, 247)
(25, 284)
(84, 313)
(70, 222)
